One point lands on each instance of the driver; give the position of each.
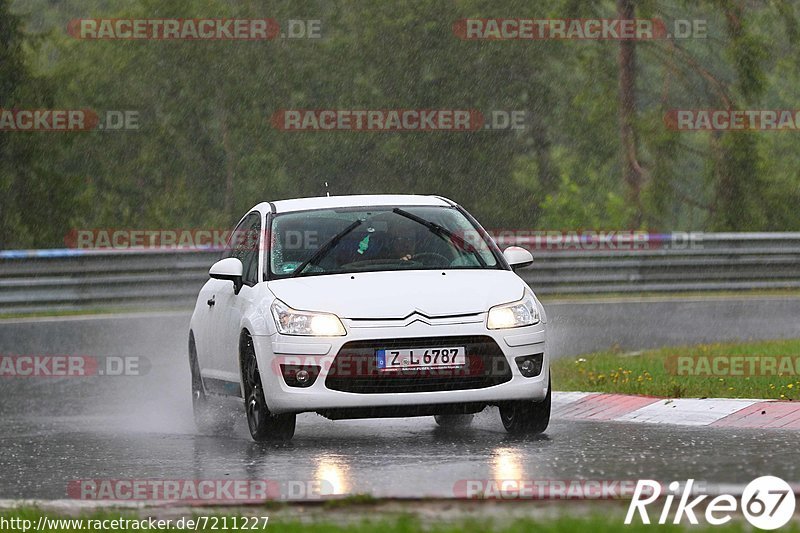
(404, 246)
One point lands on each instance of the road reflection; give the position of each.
(333, 475)
(506, 463)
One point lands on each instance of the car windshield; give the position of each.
(336, 241)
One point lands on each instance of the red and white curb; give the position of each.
(718, 412)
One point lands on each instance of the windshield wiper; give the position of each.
(323, 250)
(443, 232)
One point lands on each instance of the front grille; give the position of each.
(355, 367)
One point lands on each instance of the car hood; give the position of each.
(396, 295)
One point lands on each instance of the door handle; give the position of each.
(211, 301)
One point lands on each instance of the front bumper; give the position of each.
(275, 350)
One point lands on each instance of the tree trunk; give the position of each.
(631, 171)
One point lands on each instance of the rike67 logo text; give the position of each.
(767, 503)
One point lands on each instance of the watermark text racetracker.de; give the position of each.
(394, 120)
(733, 365)
(589, 240)
(733, 119)
(135, 239)
(68, 120)
(544, 489)
(612, 29)
(60, 366)
(194, 29)
(198, 490)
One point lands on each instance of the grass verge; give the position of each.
(688, 371)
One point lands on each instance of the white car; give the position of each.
(363, 307)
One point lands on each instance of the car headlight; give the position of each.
(292, 322)
(514, 315)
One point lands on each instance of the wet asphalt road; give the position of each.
(56, 430)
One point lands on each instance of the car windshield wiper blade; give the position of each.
(442, 232)
(323, 250)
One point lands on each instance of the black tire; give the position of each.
(208, 418)
(526, 417)
(263, 425)
(454, 421)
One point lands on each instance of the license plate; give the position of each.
(421, 358)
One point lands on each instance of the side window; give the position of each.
(245, 245)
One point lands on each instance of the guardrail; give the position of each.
(51, 280)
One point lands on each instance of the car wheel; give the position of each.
(526, 417)
(454, 421)
(264, 426)
(208, 417)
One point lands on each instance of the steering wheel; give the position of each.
(424, 257)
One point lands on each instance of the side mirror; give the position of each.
(517, 257)
(229, 269)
